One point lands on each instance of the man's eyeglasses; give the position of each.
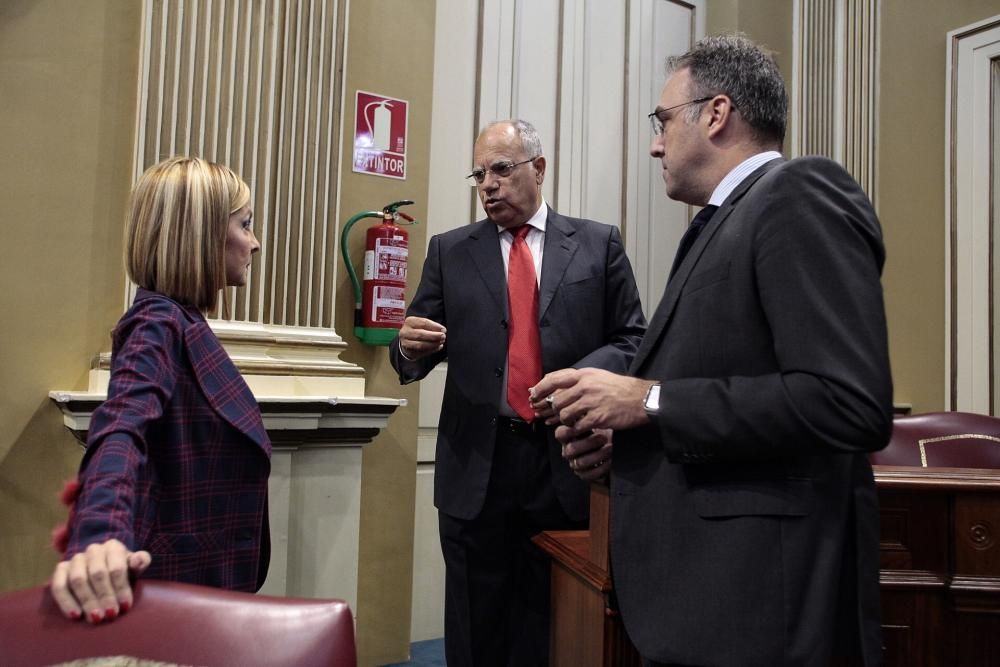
(656, 118)
(500, 169)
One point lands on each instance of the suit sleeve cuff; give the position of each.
(401, 352)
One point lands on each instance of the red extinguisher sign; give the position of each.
(380, 125)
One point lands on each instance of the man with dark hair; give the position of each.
(744, 515)
(522, 292)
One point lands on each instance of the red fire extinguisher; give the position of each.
(379, 304)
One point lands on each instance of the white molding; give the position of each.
(497, 60)
(591, 117)
(315, 520)
(654, 224)
(305, 420)
(794, 122)
(453, 127)
(535, 83)
(427, 611)
(834, 97)
(295, 360)
(968, 274)
(519, 72)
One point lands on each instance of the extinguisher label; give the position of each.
(369, 265)
(390, 259)
(388, 305)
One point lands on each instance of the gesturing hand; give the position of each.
(589, 398)
(420, 336)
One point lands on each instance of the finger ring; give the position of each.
(551, 399)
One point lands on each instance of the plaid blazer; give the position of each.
(177, 456)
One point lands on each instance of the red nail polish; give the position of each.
(110, 615)
(75, 615)
(95, 617)
(125, 606)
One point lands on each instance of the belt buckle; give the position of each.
(521, 427)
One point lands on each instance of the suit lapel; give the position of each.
(559, 250)
(222, 384)
(484, 248)
(672, 292)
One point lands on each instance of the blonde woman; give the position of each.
(174, 481)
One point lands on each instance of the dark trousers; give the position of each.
(496, 581)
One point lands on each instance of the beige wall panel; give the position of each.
(767, 22)
(67, 112)
(390, 51)
(911, 187)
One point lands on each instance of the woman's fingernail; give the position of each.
(125, 606)
(75, 615)
(95, 617)
(110, 614)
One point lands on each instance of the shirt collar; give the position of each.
(739, 174)
(537, 220)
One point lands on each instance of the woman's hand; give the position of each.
(95, 584)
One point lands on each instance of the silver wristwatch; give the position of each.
(652, 402)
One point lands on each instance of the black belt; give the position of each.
(520, 427)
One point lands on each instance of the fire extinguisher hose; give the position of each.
(347, 257)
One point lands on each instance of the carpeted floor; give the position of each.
(428, 653)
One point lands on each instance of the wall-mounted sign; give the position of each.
(380, 135)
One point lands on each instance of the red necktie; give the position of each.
(524, 351)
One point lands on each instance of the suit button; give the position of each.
(498, 372)
(503, 323)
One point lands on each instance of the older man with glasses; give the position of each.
(504, 300)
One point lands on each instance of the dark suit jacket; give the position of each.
(589, 315)
(744, 518)
(177, 456)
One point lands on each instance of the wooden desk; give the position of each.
(940, 574)
(586, 628)
(940, 565)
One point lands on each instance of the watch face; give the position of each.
(653, 398)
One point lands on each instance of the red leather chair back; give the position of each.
(185, 624)
(943, 439)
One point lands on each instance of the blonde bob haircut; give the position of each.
(175, 229)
